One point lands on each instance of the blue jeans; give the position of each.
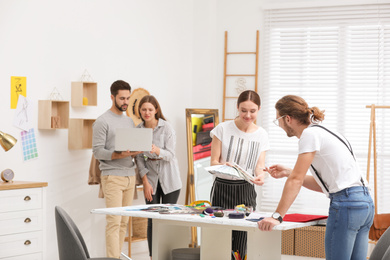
(351, 214)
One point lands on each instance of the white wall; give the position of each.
(173, 48)
(147, 43)
(212, 18)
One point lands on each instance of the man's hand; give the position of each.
(279, 171)
(267, 224)
(124, 154)
(133, 154)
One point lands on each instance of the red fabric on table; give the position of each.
(303, 217)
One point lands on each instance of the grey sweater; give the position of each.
(103, 144)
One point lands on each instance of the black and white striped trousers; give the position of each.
(228, 194)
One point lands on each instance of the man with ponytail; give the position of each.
(335, 172)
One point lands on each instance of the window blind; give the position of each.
(338, 59)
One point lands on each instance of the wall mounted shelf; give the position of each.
(84, 94)
(53, 114)
(80, 133)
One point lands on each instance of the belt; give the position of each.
(154, 159)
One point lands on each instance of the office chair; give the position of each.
(387, 254)
(71, 245)
(381, 250)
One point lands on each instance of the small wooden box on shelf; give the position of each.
(53, 114)
(84, 94)
(80, 133)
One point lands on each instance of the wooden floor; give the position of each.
(140, 252)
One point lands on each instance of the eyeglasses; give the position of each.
(276, 121)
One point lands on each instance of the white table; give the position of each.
(172, 231)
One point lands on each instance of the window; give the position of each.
(338, 59)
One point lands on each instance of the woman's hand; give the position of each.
(279, 171)
(259, 180)
(148, 190)
(155, 149)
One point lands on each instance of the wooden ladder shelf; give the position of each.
(372, 143)
(225, 75)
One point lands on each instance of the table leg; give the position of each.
(168, 236)
(216, 243)
(264, 245)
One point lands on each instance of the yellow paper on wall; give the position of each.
(18, 87)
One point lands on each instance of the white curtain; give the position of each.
(338, 59)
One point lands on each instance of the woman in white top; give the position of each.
(241, 142)
(336, 173)
(159, 168)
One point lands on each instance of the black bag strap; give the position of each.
(349, 148)
(318, 176)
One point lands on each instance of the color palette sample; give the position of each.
(29, 145)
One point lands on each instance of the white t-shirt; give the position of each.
(333, 160)
(239, 147)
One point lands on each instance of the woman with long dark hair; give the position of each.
(159, 168)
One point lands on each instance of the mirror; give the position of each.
(199, 123)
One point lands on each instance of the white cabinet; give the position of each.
(22, 220)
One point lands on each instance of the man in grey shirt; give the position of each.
(118, 168)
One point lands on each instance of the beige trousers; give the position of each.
(118, 192)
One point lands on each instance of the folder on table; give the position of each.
(303, 217)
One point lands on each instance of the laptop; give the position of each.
(133, 139)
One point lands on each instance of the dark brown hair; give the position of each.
(152, 100)
(119, 85)
(297, 108)
(249, 95)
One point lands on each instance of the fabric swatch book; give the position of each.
(234, 172)
(173, 209)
